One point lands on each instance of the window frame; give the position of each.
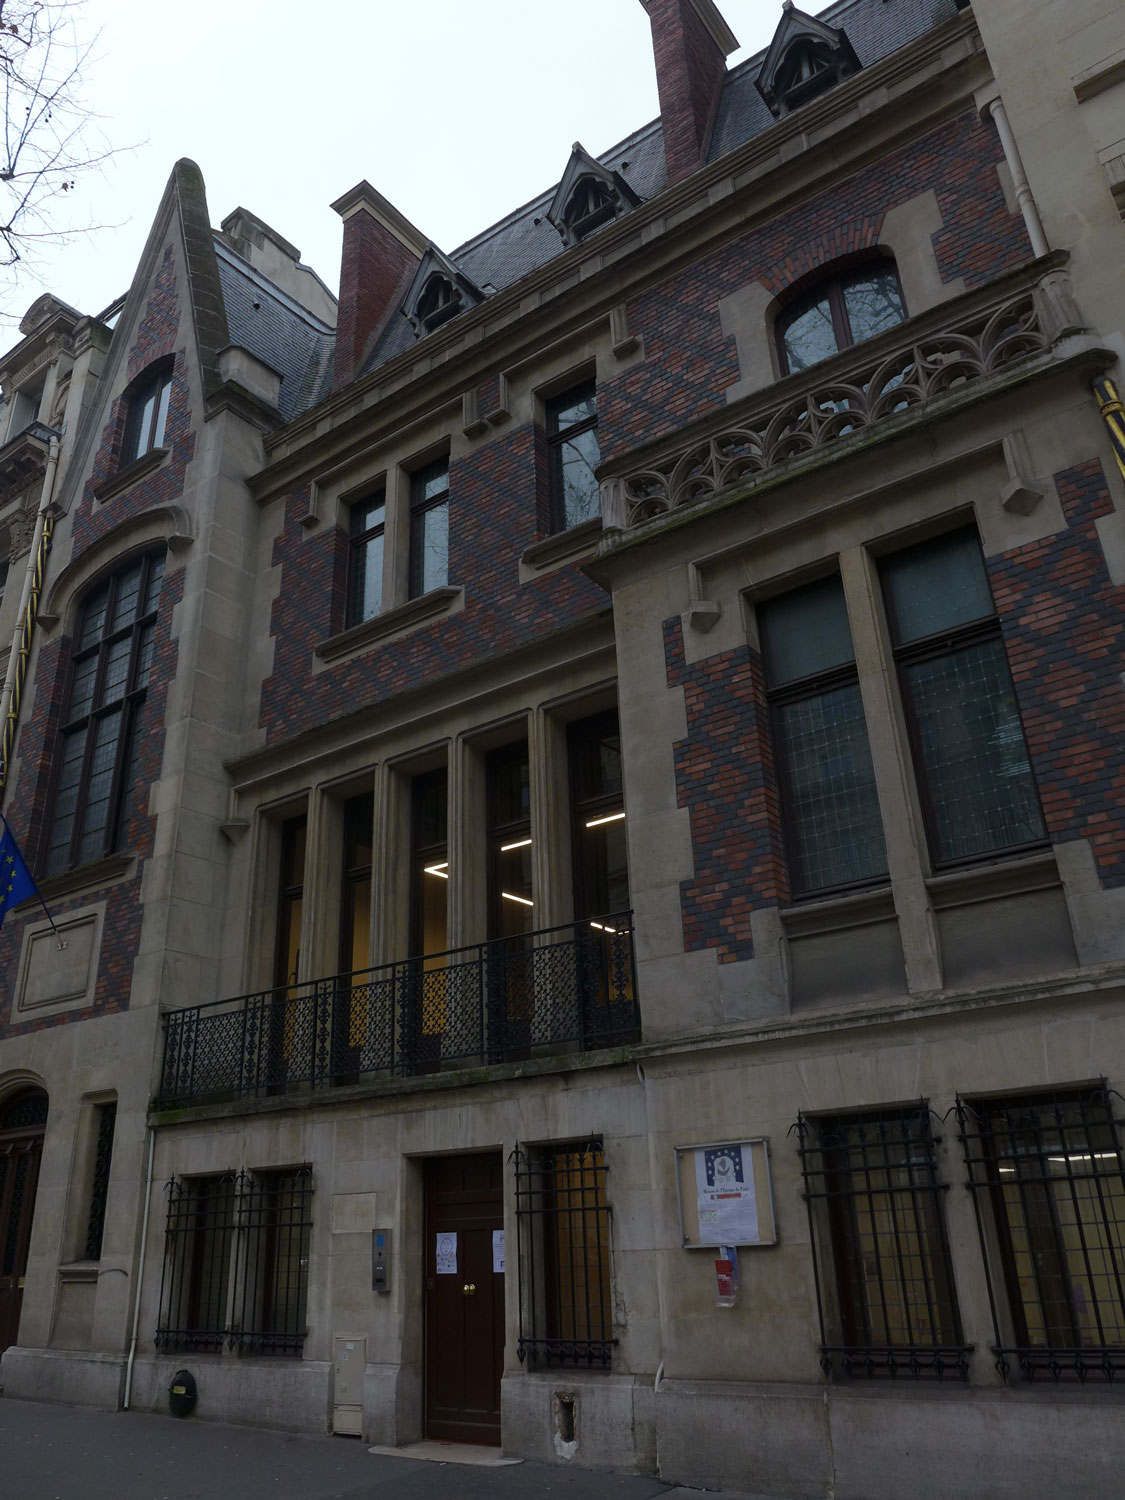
(420, 506)
(557, 440)
(834, 284)
(359, 540)
(129, 705)
(844, 1305)
(948, 642)
(146, 426)
(816, 684)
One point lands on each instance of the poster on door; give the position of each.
(445, 1252)
(497, 1250)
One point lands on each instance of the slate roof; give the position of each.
(277, 330)
(526, 240)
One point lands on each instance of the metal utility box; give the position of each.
(348, 1364)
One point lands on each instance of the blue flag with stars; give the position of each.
(16, 883)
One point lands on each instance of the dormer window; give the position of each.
(807, 69)
(440, 301)
(589, 195)
(439, 291)
(805, 58)
(591, 205)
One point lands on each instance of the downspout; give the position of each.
(1024, 196)
(140, 1275)
(20, 653)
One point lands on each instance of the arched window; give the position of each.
(147, 415)
(95, 763)
(837, 312)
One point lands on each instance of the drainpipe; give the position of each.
(140, 1275)
(21, 640)
(1024, 196)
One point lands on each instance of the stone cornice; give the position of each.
(908, 91)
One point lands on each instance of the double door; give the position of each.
(19, 1177)
(464, 1298)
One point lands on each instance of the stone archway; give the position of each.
(23, 1120)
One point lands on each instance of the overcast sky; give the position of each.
(458, 112)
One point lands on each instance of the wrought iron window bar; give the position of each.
(874, 1198)
(563, 1256)
(1048, 1188)
(558, 989)
(259, 1224)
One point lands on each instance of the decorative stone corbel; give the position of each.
(1059, 315)
(503, 408)
(624, 343)
(1022, 493)
(614, 510)
(234, 830)
(702, 615)
(472, 423)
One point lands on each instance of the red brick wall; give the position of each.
(690, 69)
(375, 270)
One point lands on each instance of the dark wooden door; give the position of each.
(464, 1298)
(21, 1144)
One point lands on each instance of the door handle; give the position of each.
(469, 1289)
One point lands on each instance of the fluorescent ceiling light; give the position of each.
(609, 818)
(519, 844)
(441, 870)
(523, 901)
(602, 928)
(1085, 1156)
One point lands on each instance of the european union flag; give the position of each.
(16, 883)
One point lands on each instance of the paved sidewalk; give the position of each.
(73, 1453)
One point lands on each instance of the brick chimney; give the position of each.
(382, 250)
(691, 43)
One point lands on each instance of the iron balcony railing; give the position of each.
(558, 990)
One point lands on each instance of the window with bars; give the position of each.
(96, 757)
(236, 1258)
(106, 1120)
(833, 828)
(884, 1280)
(978, 791)
(1049, 1191)
(562, 1214)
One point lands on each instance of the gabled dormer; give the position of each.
(805, 58)
(588, 196)
(438, 292)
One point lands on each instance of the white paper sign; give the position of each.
(498, 1250)
(728, 1208)
(446, 1255)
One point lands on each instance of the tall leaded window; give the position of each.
(886, 1295)
(601, 864)
(572, 434)
(429, 528)
(1046, 1174)
(511, 903)
(147, 414)
(562, 1216)
(366, 527)
(978, 791)
(105, 1124)
(834, 834)
(99, 741)
(837, 313)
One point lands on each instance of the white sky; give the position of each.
(458, 112)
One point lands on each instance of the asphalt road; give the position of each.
(73, 1453)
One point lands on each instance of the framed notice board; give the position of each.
(725, 1194)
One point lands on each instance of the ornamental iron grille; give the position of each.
(236, 1258)
(99, 1186)
(1049, 1193)
(874, 1200)
(563, 1254)
(559, 990)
